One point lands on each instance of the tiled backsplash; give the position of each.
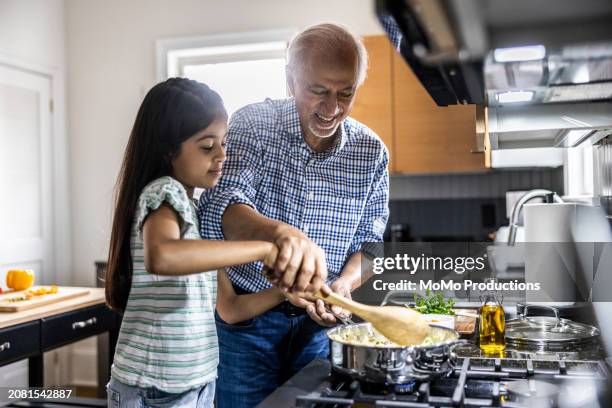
(477, 185)
(461, 207)
(468, 219)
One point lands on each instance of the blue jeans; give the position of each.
(258, 355)
(125, 396)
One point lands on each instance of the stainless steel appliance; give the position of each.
(548, 333)
(460, 375)
(473, 51)
(549, 197)
(542, 69)
(474, 382)
(390, 364)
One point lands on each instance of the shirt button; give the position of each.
(305, 229)
(310, 195)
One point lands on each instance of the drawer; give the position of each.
(72, 326)
(19, 342)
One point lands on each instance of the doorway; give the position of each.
(26, 184)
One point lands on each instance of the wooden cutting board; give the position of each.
(63, 293)
(464, 324)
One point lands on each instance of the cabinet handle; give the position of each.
(5, 346)
(85, 323)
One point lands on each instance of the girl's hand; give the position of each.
(269, 261)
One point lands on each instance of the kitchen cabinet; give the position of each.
(372, 105)
(421, 136)
(32, 332)
(59, 330)
(430, 138)
(19, 342)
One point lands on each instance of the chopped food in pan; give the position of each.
(369, 337)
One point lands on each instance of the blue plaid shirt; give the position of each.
(338, 198)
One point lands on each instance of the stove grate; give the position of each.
(474, 382)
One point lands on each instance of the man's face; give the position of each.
(324, 91)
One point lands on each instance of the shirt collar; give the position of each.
(291, 119)
(291, 122)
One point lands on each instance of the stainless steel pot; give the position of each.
(548, 333)
(391, 364)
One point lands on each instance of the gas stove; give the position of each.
(473, 382)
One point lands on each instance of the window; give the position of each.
(242, 68)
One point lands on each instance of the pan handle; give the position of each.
(457, 342)
(450, 344)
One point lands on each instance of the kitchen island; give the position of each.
(30, 333)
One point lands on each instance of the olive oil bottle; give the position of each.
(492, 327)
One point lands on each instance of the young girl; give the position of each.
(167, 351)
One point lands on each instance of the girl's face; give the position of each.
(200, 159)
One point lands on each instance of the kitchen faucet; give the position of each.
(548, 196)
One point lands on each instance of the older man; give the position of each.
(303, 174)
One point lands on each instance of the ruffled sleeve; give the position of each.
(165, 189)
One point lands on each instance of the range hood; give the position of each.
(548, 125)
(470, 51)
(542, 68)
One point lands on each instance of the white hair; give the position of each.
(328, 38)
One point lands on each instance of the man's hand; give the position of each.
(300, 264)
(341, 287)
(314, 307)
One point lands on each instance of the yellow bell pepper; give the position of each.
(41, 291)
(19, 279)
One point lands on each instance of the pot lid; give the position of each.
(545, 330)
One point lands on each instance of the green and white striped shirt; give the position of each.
(168, 338)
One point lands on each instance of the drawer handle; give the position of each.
(5, 346)
(85, 323)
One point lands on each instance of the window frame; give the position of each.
(172, 54)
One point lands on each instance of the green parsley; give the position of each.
(433, 304)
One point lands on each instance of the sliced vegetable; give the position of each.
(34, 292)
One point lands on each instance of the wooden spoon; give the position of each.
(403, 326)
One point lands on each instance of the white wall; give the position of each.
(111, 64)
(33, 31)
(32, 36)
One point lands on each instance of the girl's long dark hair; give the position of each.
(171, 112)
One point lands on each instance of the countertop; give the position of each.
(307, 380)
(94, 297)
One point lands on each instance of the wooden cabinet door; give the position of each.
(373, 102)
(429, 138)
